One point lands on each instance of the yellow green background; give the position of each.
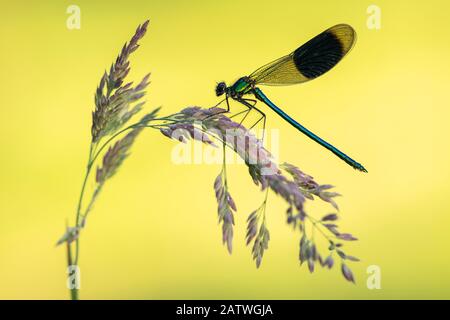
(153, 233)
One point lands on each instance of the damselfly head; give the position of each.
(221, 88)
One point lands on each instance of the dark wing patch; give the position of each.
(309, 61)
(324, 51)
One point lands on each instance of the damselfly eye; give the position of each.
(220, 88)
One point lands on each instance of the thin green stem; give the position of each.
(83, 187)
(92, 157)
(80, 201)
(94, 152)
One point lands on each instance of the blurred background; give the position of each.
(153, 233)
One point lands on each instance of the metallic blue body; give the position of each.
(262, 97)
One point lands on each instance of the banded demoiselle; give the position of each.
(309, 61)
